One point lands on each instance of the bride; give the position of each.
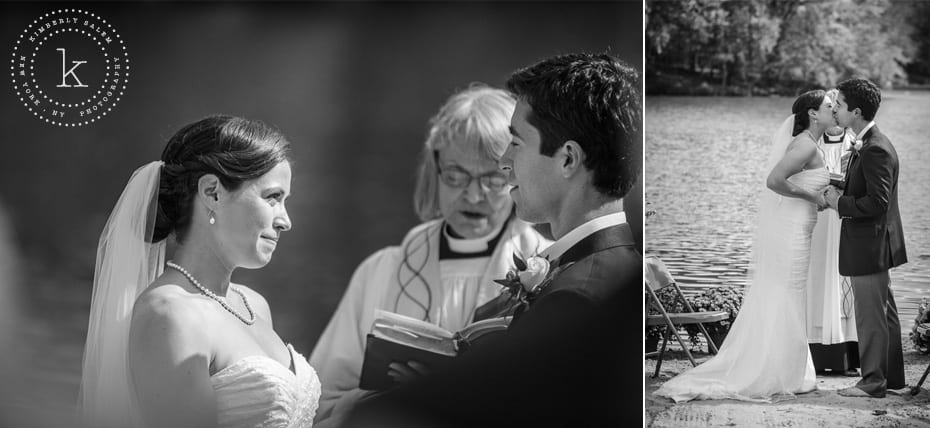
(766, 355)
(176, 343)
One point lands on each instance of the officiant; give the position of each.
(443, 270)
(831, 318)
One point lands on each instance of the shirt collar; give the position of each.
(864, 130)
(577, 234)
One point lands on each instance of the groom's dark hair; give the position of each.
(594, 100)
(861, 94)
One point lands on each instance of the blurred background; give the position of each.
(720, 79)
(351, 85)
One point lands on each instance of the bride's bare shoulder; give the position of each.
(803, 138)
(167, 303)
(168, 319)
(803, 143)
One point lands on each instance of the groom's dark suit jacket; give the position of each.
(871, 238)
(573, 358)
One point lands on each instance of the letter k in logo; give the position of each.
(65, 74)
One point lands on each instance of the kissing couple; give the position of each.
(766, 355)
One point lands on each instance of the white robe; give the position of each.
(831, 317)
(376, 284)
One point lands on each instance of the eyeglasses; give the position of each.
(457, 178)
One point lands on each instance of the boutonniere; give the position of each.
(856, 146)
(529, 277)
(526, 276)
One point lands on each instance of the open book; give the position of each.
(399, 338)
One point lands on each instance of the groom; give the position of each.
(871, 238)
(573, 357)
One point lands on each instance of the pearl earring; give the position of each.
(212, 218)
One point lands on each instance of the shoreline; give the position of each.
(820, 408)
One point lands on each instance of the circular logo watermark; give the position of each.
(69, 67)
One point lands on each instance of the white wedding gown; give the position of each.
(765, 355)
(258, 391)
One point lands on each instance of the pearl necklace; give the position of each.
(213, 295)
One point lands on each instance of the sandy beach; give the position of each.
(821, 408)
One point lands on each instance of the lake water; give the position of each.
(704, 171)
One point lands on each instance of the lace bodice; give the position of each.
(258, 391)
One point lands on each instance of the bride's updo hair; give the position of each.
(232, 148)
(806, 101)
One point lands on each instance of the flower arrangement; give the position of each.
(671, 303)
(920, 333)
(723, 298)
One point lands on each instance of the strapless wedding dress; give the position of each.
(765, 355)
(258, 391)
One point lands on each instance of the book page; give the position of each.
(480, 328)
(410, 339)
(411, 325)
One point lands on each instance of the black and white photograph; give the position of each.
(786, 225)
(330, 214)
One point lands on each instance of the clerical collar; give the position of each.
(451, 247)
(577, 234)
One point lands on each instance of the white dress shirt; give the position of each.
(577, 234)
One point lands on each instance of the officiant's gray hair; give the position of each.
(477, 118)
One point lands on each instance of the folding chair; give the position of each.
(922, 329)
(657, 278)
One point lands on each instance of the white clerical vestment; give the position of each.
(831, 315)
(410, 280)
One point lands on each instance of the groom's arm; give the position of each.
(567, 361)
(878, 166)
(551, 355)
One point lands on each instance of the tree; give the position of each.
(750, 36)
(917, 16)
(786, 44)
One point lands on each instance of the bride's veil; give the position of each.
(127, 262)
(767, 230)
(780, 141)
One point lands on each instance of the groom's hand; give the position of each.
(821, 201)
(831, 195)
(402, 373)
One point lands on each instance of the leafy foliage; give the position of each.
(670, 302)
(760, 46)
(921, 341)
(724, 298)
(918, 19)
